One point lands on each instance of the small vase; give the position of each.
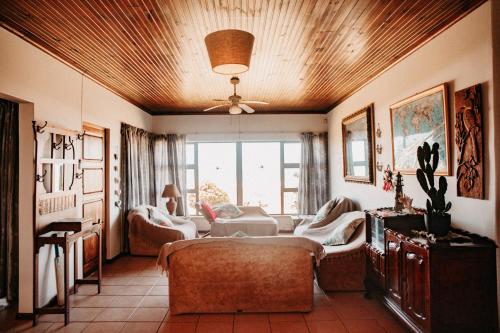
(438, 224)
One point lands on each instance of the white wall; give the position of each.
(240, 127)
(461, 56)
(65, 98)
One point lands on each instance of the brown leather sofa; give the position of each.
(146, 238)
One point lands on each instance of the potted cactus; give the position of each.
(437, 219)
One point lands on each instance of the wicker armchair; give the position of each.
(146, 238)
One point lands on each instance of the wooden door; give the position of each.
(393, 266)
(416, 284)
(93, 168)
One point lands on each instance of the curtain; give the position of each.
(137, 172)
(170, 167)
(313, 184)
(9, 172)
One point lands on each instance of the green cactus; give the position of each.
(437, 203)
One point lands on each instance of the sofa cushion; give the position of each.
(343, 232)
(207, 212)
(228, 211)
(323, 212)
(340, 205)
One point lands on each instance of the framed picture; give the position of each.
(357, 142)
(415, 120)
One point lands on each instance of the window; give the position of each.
(264, 174)
(359, 157)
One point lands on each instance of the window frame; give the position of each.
(239, 171)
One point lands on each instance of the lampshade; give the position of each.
(229, 50)
(233, 109)
(171, 191)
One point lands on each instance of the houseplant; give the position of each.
(437, 219)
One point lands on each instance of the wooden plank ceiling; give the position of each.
(308, 54)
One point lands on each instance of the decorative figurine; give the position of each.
(388, 186)
(406, 201)
(398, 206)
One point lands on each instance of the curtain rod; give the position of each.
(239, 133)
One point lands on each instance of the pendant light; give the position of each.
(229, 51)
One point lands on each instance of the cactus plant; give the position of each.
(428, 159)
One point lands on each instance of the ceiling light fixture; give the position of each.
(229, 51)
(234, 109)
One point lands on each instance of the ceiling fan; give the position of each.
(235, 101)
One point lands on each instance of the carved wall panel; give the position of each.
(469, 141)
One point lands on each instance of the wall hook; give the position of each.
(57, 146)
(41, 178)
(38, 128)
(79, 175)
(378, 148)
(380, 166)
(79, 136)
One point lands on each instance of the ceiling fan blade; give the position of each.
(246, 108)
(214, 107)
(219, 100)
(255, 102)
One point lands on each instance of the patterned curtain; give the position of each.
(313, 184)
(170, 167)
(137, 172)
(9, 172)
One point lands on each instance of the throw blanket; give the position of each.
(320, 235)
(314, 247)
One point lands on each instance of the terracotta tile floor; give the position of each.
(134, 298)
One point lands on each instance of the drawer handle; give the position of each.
(392, 246)
(411, 256)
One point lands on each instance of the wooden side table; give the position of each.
(64, 238)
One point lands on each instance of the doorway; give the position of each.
(94, 168)
(9, 183)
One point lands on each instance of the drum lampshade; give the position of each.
(229, 51)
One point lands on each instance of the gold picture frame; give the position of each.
(421, 118)
(359, 128)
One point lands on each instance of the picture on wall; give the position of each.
(418, 119)
(469, 141)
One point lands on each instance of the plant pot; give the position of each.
(438, 224)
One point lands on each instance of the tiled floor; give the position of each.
(134, 298)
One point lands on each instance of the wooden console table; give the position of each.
(56, 234)
(432, 286)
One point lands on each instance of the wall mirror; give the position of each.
(357, 141)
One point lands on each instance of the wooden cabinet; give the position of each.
(440, 286)
(393, 266)
(415, 283)
(375, 266)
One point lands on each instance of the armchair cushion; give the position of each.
(159, 218)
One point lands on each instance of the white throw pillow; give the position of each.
(342, 233)
(228, 211)
(157, 217)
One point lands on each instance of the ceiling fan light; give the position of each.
(234, 109)
(229, 51)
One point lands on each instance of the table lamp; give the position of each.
(171, 191)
